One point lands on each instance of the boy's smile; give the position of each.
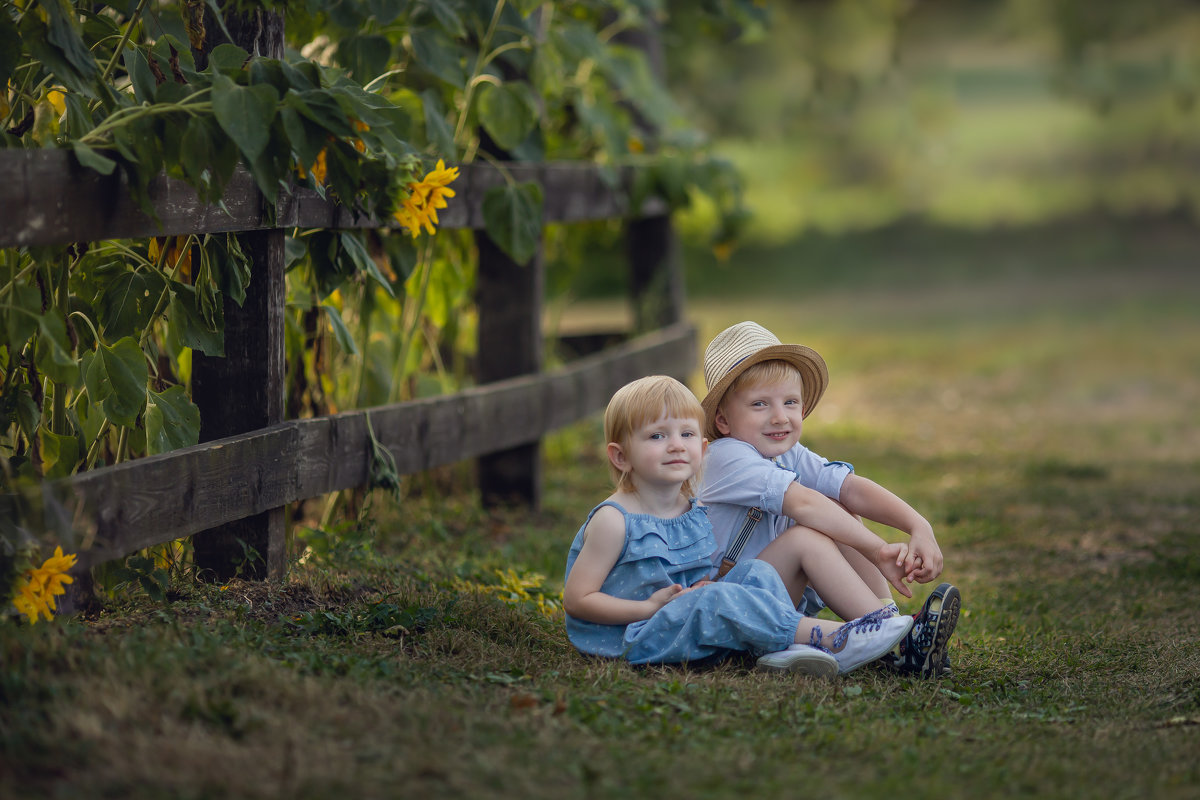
(769, 416)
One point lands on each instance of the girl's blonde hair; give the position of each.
(641, 402)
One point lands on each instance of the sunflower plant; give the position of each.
(368, 105)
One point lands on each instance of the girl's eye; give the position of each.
(791, 402)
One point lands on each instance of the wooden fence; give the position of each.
(250, 463)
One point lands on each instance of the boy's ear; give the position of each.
(720, 422)
(616, 456)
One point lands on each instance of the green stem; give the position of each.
(499, 165)
(112, 64)
(426, 262)
(364, 323)
(161, 306)
(188, 105)
(6, 288)
(475, 73)
(94, 450)
(58, 420)
(122, 445)
(84, 317)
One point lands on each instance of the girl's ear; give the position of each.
(616, 456)
(721, 422)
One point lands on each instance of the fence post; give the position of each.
(509, 299)
(244, 390)
(655, 278)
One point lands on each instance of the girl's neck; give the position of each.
(656, 500)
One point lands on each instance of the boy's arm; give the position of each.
(582, 598)
(868, 499)
(810, 508)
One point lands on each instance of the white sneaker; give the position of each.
(866, 639)
(801, 658)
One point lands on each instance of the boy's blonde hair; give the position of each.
(764, 373)
(641, 402)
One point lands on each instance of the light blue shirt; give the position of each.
(737, 478)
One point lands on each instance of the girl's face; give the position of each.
(668, 451)
(769, 417)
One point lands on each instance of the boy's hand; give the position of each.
(891, 560)
(924, 561)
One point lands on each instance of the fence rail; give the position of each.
(156, 499)
(47, 198)
(236, 486)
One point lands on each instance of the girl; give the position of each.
(637, 574)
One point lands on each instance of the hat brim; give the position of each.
(813, 373)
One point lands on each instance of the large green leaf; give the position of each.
(63, 33)
(126, 304)
(353, 247)
(59, 453)
(364, 56)
(53, 354)
(227, 59)
(20, 309)
(10, 48)
(340, 332)
(437, 53)
(512, 215)
(245, 113)
(172, 421)
(116, 379)
(189, 321)
(139, 74)
(437, 130)
(508, 112)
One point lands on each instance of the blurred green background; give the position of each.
(892, 139)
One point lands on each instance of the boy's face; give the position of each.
(768, 416)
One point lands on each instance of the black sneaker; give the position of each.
(925, 651)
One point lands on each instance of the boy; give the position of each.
(771, 498)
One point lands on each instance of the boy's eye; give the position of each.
(657, 435)
(689, 434)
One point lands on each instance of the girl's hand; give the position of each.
(666, 595)
(890, 559)
(699, 583)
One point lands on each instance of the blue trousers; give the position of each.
(748, 610)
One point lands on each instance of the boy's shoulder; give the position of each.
(729, 447)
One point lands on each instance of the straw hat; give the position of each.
(741, 346)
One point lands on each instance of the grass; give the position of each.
(1042, 415)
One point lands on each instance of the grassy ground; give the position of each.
(1041, 415)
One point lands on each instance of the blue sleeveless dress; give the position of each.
(749, 610)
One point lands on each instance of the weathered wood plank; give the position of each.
(47, 198)
(242, 392)
(508, 296)
(160, 498)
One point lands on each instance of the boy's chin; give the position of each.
(771, 449)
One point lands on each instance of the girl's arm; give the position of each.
(868, 499)
(810, 508)
(603, 540)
